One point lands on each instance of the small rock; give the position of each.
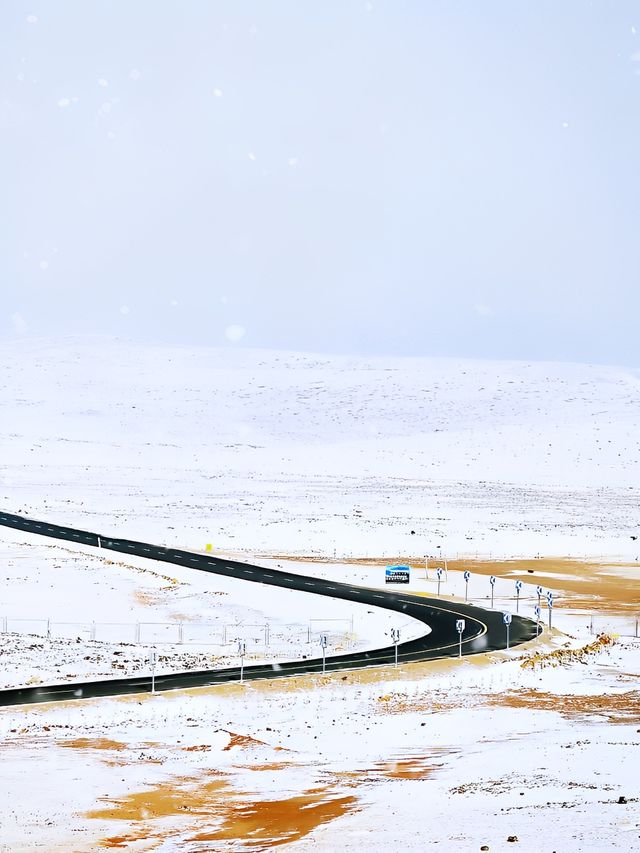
(512, 838)
(485, 847)
(622, 801)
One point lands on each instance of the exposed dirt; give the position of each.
(271, 823)
(613, 707)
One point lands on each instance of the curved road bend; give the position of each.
(484, 629)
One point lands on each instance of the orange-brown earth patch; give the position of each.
(93, 743)
(207, 811)
(614, 707)
(270, 823)
(242, 741)
(186, 795)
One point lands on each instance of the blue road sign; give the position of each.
(397, 574)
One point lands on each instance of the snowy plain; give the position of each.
(273, 456)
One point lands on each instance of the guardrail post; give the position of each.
(137, 634)
(180, 633)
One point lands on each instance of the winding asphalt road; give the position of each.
(484, 629)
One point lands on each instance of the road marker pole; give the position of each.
(439, 576)
(395, 638)
(539, 594)
(323, 644)
(492, 581)
(466, 577)
(152, 661)
(518, 588)
(506, 618)
(460, 623)
(536, 611)
(550, 605)
(426, 567)
(242, 648)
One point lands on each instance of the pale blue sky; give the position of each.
(436, 178)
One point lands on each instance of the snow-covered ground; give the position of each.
(278, 457)
(294, 453)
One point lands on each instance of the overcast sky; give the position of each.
(432, 178)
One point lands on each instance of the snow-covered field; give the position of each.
(293, 453)
(285, 456)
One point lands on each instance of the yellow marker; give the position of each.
(208, 547)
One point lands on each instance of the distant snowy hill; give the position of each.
(287, 452)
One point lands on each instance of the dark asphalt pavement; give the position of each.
(484, 629)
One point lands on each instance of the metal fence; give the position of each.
(264, 634)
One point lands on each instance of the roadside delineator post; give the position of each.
(395, 639)
(466, 577)
(539, 594)
(518, 588)
(536, 611)
(152, 662)
(439, 576)
(506, 618)
(242, 648)
(492, 581)
(460, 623)
(550, 605)
(323, 644)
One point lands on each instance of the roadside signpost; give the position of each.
(152, 662)
(518, 588)
(539, 594)
(323, 644)
(536, 611)
(550, 604)
(506, 618)
(460, 623)
(426, 567)
(242, 650)
(492, 581)
(395, 639)
(439, 576)
(466, 577)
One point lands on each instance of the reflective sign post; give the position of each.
(518, 588)
(506, 618)
(536, 610)
(323, 644)
(152, 662)
(466, 577)
(550, 605)
(439, 576)
(539, 594)
(242, 648)
(460, 623)
(492, 581)
(395, 639)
